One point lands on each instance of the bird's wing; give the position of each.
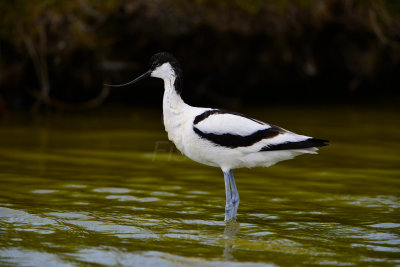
(233, 130)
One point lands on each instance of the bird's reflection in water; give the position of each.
(231, 229)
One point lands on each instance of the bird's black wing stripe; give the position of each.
(208, 113)
(234, 140)
(312, 142)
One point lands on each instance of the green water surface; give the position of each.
(106, 188)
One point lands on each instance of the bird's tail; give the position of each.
(314, 142)
(308, 143)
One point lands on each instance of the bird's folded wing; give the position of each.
(233, 130)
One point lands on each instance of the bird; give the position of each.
(219, 137)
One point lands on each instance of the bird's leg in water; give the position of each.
(235, 193)
(232, 199)
(228, 197)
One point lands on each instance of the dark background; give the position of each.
(57, 54)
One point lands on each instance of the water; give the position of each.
(106, 188)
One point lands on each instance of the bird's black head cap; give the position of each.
(163, 57)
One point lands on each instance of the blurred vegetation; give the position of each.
(59, 53)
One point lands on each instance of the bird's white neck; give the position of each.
(172, 101)
(174, 112)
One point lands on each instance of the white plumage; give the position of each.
(230, 123)
(221, 138)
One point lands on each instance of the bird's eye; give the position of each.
(154, 65)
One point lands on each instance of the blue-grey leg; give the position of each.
(232, 196)
(227, 188)
(228, 207)
(235, 193)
